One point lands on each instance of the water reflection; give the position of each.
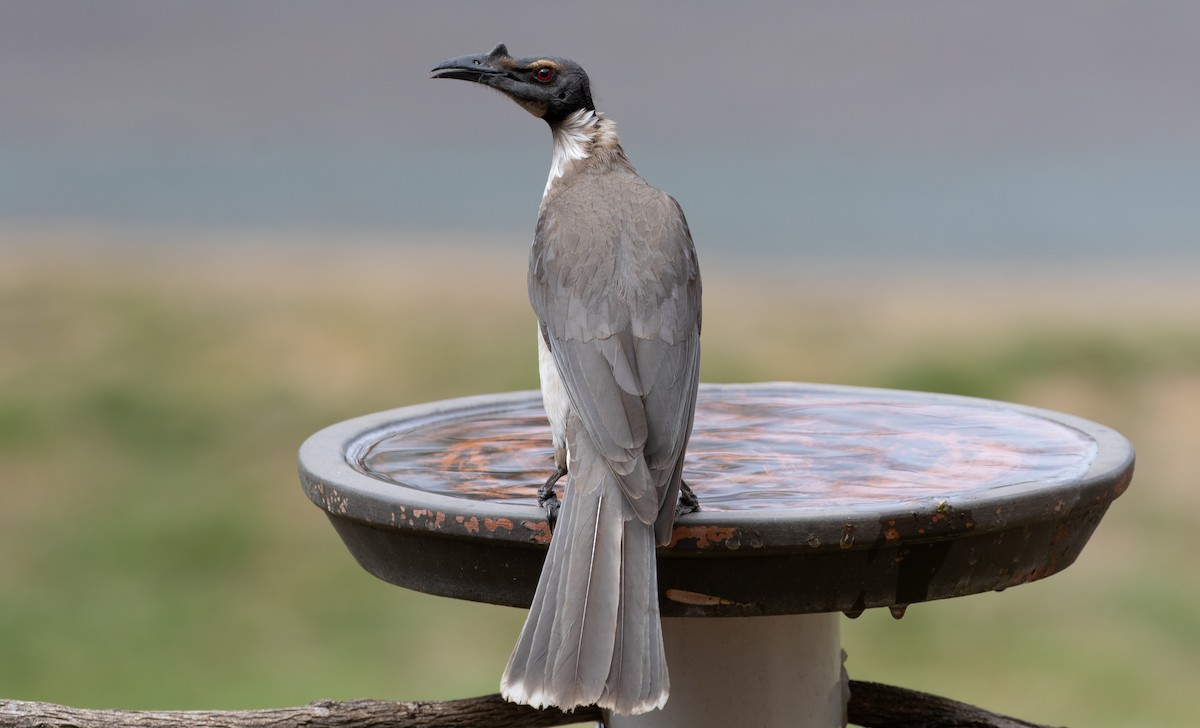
(778, 449)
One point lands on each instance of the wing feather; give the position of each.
(615, 285)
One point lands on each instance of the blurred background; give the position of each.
(225, 225)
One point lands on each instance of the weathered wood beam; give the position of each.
(872, 705)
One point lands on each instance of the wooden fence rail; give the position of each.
(871, 705)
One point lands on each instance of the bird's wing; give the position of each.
(616, 287)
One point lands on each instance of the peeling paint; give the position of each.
(704, 536)
(491, 524)
(540, 530)
(697, 599)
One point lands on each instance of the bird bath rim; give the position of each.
(349, 441)
(941, 546)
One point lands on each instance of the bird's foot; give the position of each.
(688, 502)
(548, 499)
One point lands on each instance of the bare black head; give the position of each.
(547, 87)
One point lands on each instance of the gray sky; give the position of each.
(741, 95)
(1083, 71)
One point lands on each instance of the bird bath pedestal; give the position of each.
(814, 499)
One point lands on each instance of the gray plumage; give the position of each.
(615, 284)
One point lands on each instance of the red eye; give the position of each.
(544, 74)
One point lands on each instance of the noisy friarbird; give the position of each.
(615, 284)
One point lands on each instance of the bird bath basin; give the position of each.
(814, 500)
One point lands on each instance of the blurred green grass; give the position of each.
(158, 552)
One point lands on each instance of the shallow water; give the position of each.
(756, 450)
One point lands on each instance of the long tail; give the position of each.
(593, 634)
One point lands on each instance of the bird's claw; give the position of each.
(551, 505)
(548, 499)
(688, 502)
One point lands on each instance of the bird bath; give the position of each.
(814, 500)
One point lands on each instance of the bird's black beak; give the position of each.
(478, 68)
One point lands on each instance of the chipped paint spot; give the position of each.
(541, 530)
(704, 536)
(491, 524)
(332, 501)
(696, 598)
(891, 534)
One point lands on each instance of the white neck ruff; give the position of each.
(575, 138)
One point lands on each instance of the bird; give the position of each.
(615, 284)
